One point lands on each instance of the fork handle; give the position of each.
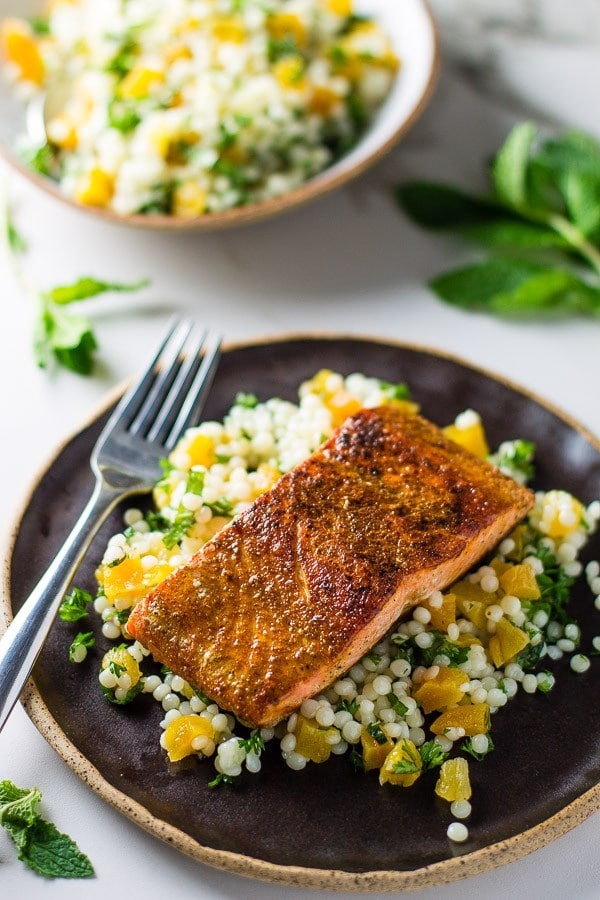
(25, 636)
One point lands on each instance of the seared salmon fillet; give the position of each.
(300, 585)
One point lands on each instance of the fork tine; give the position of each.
(164, 419)
(167, 368)
(132, 399)
(199, 388)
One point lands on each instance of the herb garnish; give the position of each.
(85, 640)
(467, 747)
(376, 732)
(40, 845)
(75, 605)
(410, 764)
(543, 205)
(432, 755)
(59, 335)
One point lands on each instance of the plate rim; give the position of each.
(318, 186)
(443, 871)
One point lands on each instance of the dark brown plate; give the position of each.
(326, 826)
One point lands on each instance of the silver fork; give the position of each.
(146, 424)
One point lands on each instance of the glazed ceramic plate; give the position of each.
(327, 826)
(414, 37)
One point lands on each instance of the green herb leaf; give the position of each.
(41, 846)
(221, 779)
(74, 606)
(517, 288)
(253, 743)
(441, 207)
(467, 747)
(248, 401)
(515, 458)
(410, 764)
(66, 337)
(377, 733)
(432, 755)
(441, 646)
(83, 639)
(396, 704)
(87, 287)
(510, 167)
(16, 241)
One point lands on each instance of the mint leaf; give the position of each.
(439, 206)
(510, 166)
(572, 151)
(66, 337)
(517, 288)
(41, 846)
(512, 234)
(582, 197)
(54, 855)
(87, 287)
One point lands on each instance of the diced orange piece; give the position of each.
(454, 783)
(500, 566)
(287, 25)
(139, 82)
(444, 615)
(125, 580)
(229, 29)
(446, 689)
(156, 574)
(95, 188)
(341, 8)
(521, 582)
(322, 100)
(289, 72)
(472, 438)
(465, 639)
(374, 753)
(182, 731)
(190, 200)
(312, 740)
(472, 601)
(342, 404)
(506, 642)
(404, 754)
(123, 661)
(473, 717)
(201, 451)
(20, 48)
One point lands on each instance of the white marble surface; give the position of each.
(348, 263)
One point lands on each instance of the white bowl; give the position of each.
(413, 32)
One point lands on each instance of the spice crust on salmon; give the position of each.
(300, 585)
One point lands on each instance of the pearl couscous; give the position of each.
(427, 694)
(197, 106)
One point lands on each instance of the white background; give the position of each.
(349, 263)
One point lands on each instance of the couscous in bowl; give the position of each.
(173, 141)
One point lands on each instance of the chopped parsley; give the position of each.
(377, 733)
(84, 639)
(410, 764)
(432, 755)
(467, 747)
(253, 743)
(75, 605)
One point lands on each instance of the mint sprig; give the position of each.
(60, 336)
(39, 843)
(540, 222)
